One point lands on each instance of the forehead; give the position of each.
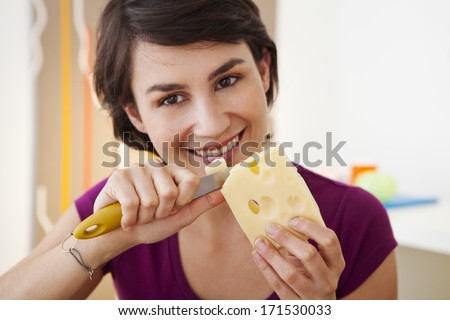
(198, 55)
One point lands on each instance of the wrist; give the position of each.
(97, 251)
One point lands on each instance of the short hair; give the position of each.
(124, 23)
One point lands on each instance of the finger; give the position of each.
(326, 239)
(166, 190)
(120, 189)
(309, 256)
(297, 281)
(187, 183)
(283, 291)
(162, 228)
(193, 210)
(293, 260)
(147, 195)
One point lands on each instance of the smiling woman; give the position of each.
(193, 81)
(213, 104)
(216, 22)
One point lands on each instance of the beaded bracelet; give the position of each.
(77, 256)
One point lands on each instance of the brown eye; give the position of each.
(226, 82)
(171, 100)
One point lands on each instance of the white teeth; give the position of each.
(217, 152)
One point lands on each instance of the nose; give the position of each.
(211, 119)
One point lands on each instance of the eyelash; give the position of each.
(235, 78)
(163, 101)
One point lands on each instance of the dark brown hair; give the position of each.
(172, 23)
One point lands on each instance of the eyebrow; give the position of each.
(167, 87)
(225, 67)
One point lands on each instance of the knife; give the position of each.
(109, 217)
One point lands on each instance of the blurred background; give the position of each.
(374, 75)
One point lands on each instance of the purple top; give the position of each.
(360, 221)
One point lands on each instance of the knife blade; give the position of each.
(109, 217)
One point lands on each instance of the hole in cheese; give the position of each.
(253, 206)
(253, 165)
(267, 176)
(295, 203)
(268, 206)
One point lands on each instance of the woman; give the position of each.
(193, 81)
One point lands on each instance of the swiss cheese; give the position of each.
(266, 188)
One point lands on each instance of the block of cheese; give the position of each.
(266, 188)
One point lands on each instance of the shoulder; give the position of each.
(353, 213)
(338, 201)
(360, 222)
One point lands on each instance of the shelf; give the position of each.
(425, 227)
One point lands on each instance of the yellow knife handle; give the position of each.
(100, 222)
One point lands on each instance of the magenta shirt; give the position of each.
(360, 221)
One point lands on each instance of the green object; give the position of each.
(381, 185)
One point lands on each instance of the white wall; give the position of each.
(306, 38)
(16, 132)
(376, 74)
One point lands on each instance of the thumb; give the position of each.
(160, 229)
(193, 210)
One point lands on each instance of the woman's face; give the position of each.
(200, 102)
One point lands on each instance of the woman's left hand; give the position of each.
(298, 270)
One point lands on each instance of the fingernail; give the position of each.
(126, 227)
(210, 199)
(295, 222)
(256, 255)
(272, 229)
(260, 244)
(214, 198)
(257, 258)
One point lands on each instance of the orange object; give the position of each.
(88, 118)
(357, 169)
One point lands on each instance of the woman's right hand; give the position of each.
(155, 199)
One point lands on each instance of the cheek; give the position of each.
(255, 107)
(159, 136)
(167, 140)
(157, 144)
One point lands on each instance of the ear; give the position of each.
(264, 69)
(135, 118)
